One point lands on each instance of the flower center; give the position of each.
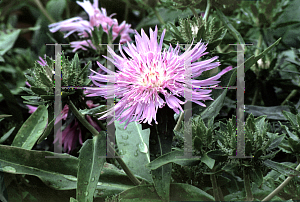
(153, 76)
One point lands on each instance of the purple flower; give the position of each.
(42, 62)
(70, 136)
(96, 18)
(150, 73)
(31, 108)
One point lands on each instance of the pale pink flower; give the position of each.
(31, 108)
(96, 18)
(150, 73)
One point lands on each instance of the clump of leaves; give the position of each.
(198, 29)
(42, 81)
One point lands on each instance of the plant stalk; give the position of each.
(43, 10)
(95, 132)
(207, 10)
(215, 186)
(292, 94)
(194, 11)
(247, 185)
(255, 96)
(177, 127)
(278, 189)
(159, 16)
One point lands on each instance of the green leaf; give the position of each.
(6, 135)
(84, 69)
(276, 142)
(176, 156)
(32, 129)
(281, 168)
(292, 118)
(93, 111)
(28, 90)
(91, 158)
(59, 172)
(11, 102)
(248, 63)
(5, 115)
(197, 143)
(285, 147)
(133, 144)
(230, 27)
(46, 132)
(17, 160)
(39, 91)
(166, 14)
(7, 40)
(208, 161)
(56, 8)
(45, 80)
(214, 109)
(178, 192)
(274, 113)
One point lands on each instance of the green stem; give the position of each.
(207, 10)
(278, 189)
(95, 132)
(259, 43)
(194, 11)
(255, 96)
(126, 10)
(67, 10)
(43, 10)
(177, 127)
(215, 186)
(292, 94)
(247, 185)
(158, 16)
(221, 194)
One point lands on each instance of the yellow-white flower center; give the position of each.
(153, 76)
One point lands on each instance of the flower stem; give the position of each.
(207, 10)
(278, 189)
(255, 96)
(126, 10)
(221, 194)
(43, 10)
(158, 16)
(95, 132)
(194, 11)
(177, 127)
(215, 186)
(247, 185)
(292, 94)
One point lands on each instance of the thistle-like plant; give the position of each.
(42, 81)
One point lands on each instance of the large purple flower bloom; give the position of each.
(150, 73)
(96, 18)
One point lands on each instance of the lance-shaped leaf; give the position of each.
(6, 135)
(213, 109)
(282, 168)
(91, 160)
(48, 130)
(230, 27)
(178, 192)
(7, 40)
(176, 156)
(32, 129)
(60, 173)
(133, 144)
(292, 118)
